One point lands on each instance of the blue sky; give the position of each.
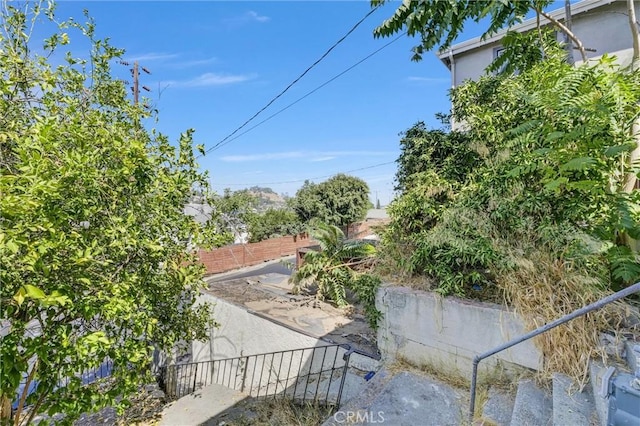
(216, 63)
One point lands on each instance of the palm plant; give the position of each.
(333, 269)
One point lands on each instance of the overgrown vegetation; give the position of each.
(533, 195)
(530, 175)
(95, 262)
(338, 266)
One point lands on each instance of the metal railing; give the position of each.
(316, 373)
(87, 377)
(635, 288)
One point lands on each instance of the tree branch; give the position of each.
(353, 263)
(568, 32)
(634, 34)
(634, 157)
(25, 391)
(36, 407)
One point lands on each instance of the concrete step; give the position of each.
(403, 399)
(201, 407)
(532, 407)
(365, 399)
(630, 355)
(571, 407)
(498, 408)
(326, 390)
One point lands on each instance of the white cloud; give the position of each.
(171, 58)
(261, 157)
(434, 80)
(246, 18)
(311, 156)
(212, 79)
(194, 62)
(255, 17)
(149, 57)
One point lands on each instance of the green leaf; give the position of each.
(616, 150)
(12, 246)
(34, 292)
(20, 296)
(625, 265)
(556, 184)
(578, 164)
(554, 135)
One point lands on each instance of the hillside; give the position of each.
(267, 197)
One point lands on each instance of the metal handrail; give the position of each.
(298, 372)
(635, 288)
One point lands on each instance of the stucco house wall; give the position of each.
(601, 25)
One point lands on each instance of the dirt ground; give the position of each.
(271, 296)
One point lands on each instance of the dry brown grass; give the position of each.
(416, 282)
(431, 368)
(543, 289)
(284, 412)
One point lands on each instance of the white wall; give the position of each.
(447, 333)
(242, 333)
(605, 29)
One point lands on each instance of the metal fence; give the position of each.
(316, 374)
(87, 376)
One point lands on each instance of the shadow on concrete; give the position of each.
(255, 353)
(222, 390)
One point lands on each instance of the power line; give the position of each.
(302, 180)
(223, 143)
(297, 79)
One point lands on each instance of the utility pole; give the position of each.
(135, 73)
(136, 82)
(567, 23)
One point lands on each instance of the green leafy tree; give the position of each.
(234, 210)
(439, 23)
(274, 223)
(521, 51)
(307, 203)
(340, 201)
(95, 258)
(449, 154)
(333, 269)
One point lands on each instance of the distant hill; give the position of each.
(267, 197)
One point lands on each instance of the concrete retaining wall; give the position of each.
(447, 333)
(242, 333)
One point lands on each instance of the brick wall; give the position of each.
(240, 255)
(362, 229)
